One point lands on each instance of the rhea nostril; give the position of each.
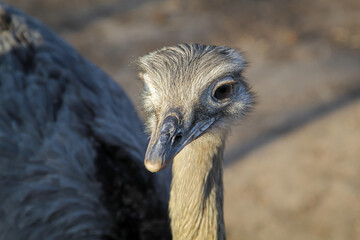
(177, 137)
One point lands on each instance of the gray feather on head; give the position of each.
(183, 76)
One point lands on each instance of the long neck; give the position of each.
(196, 197)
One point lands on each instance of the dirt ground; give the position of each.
(293, 166)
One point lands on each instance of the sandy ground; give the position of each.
(293, 166)
(308, 191)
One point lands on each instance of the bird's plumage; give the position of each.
(71, 145)
(177, 77)
(193, 94)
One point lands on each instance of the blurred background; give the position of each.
(292, 168)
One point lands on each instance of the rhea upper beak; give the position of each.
(170, 138)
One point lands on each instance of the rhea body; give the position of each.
(193, 94)
(71, 145)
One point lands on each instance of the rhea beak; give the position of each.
(169, 139)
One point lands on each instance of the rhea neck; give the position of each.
(196, 197)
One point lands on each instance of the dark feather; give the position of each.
(71, 145)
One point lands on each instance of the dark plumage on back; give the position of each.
(71, 145)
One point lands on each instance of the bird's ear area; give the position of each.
(243, 101)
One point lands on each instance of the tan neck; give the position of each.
(196, 197)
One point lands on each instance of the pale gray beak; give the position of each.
(169, 139)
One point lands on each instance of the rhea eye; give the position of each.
(223, 92)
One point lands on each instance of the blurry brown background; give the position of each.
(293, 167)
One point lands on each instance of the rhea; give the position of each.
(193, 93)
(72, 145)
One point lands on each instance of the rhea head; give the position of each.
(190, 90)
